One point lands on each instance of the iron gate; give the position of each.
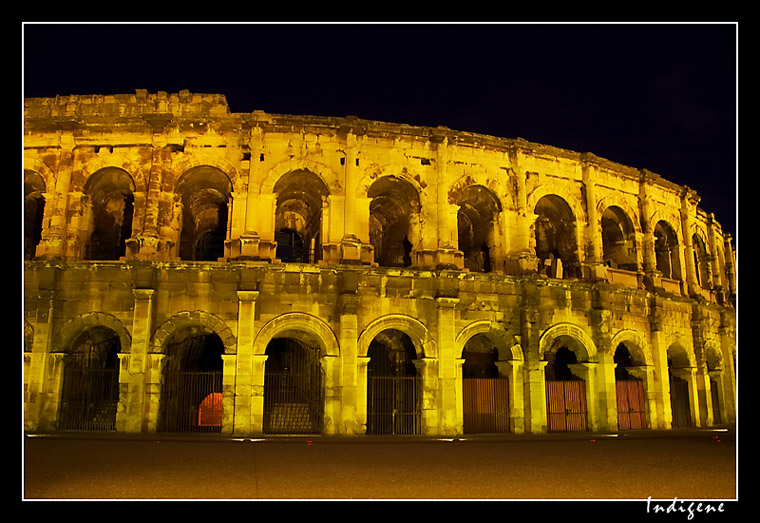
(294, 398)
(191, 402)
(679, 403)
(89, 398)
(394, 405)
(485, 404)
(630, 404)
(566, 406)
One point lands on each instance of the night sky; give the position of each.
(656, 96)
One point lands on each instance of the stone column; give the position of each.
(513, 370)
(332, 409)
(449, 256)
(244, 364)
(53, 240)
(229, 382)
(653, 277)
(594, 255)
(153, 379)
(662, 416)
(361, 393)
(132, 373)
(606, 393)
(520, 243)
(427, 368)
(534, 385)
(351, 245)
(450, 402)
(688, 203)
(349, 337)
(257, 393)
(35, 361)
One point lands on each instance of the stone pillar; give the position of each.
(653, 277)
(332, 410)
(704, 407)
(688, 204)
(594, 255)
(244, 364)
(257, 393)
(730, 264)
(427, 368)
(351, 245)
(458, 389)
(132, 373)
(448, 254)
(349, 337)
(148, 239)
(520, 243)
(53, 241)
(662, 417)
(606, 393)
(450, 403)
(35, 361)
(534, 385)
(153, 379)
(513, 370)
(229, 382)
(361, 393)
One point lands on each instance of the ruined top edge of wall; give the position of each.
(189, 105)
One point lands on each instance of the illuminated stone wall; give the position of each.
(152, 213)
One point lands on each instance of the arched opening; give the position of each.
(90, 393)
(393, 212)
(476, 223)
(565, 391)
(485, 393)
(394, 399)
(110, 191)
(679, 375)
(205, 194)
(293, 385)
(666, 251)
(192, 382)
(298, 217)
(556, 243)
(618, 240)
(630, 392)
(34, 207)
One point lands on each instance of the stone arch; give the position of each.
(579, 211)
(112, 161)
(75, 326)
(667, 247)
(374, 172)
(415, 329)
(194, 318)
(618, 230)
(41, 168)
(323, 172)
(680, 351)
(581, 343)
(198, 160)
(636, 344)
(618, 200)
(713, 356)
(507, 345)
(293, 323)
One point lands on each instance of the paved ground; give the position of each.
(695, 464)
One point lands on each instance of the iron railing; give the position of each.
(89, 399)
(394, 405)
(191, 402)
(485, 403)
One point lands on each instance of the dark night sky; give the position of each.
(654, 96)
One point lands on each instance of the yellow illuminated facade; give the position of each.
(380, 278)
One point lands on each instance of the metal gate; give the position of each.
(630, 404)
(89, 398)
(566, 406)
(394, 405)
(191, 402)
(679, 403)
(717, 419)
(485, 403)
(293, 391)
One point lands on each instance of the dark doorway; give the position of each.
(393, 386)
(293, 388)
(192, 386)
(90, 393)
(485, 394)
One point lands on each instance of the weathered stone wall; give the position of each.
(530, 245)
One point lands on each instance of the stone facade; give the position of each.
(151, 215)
